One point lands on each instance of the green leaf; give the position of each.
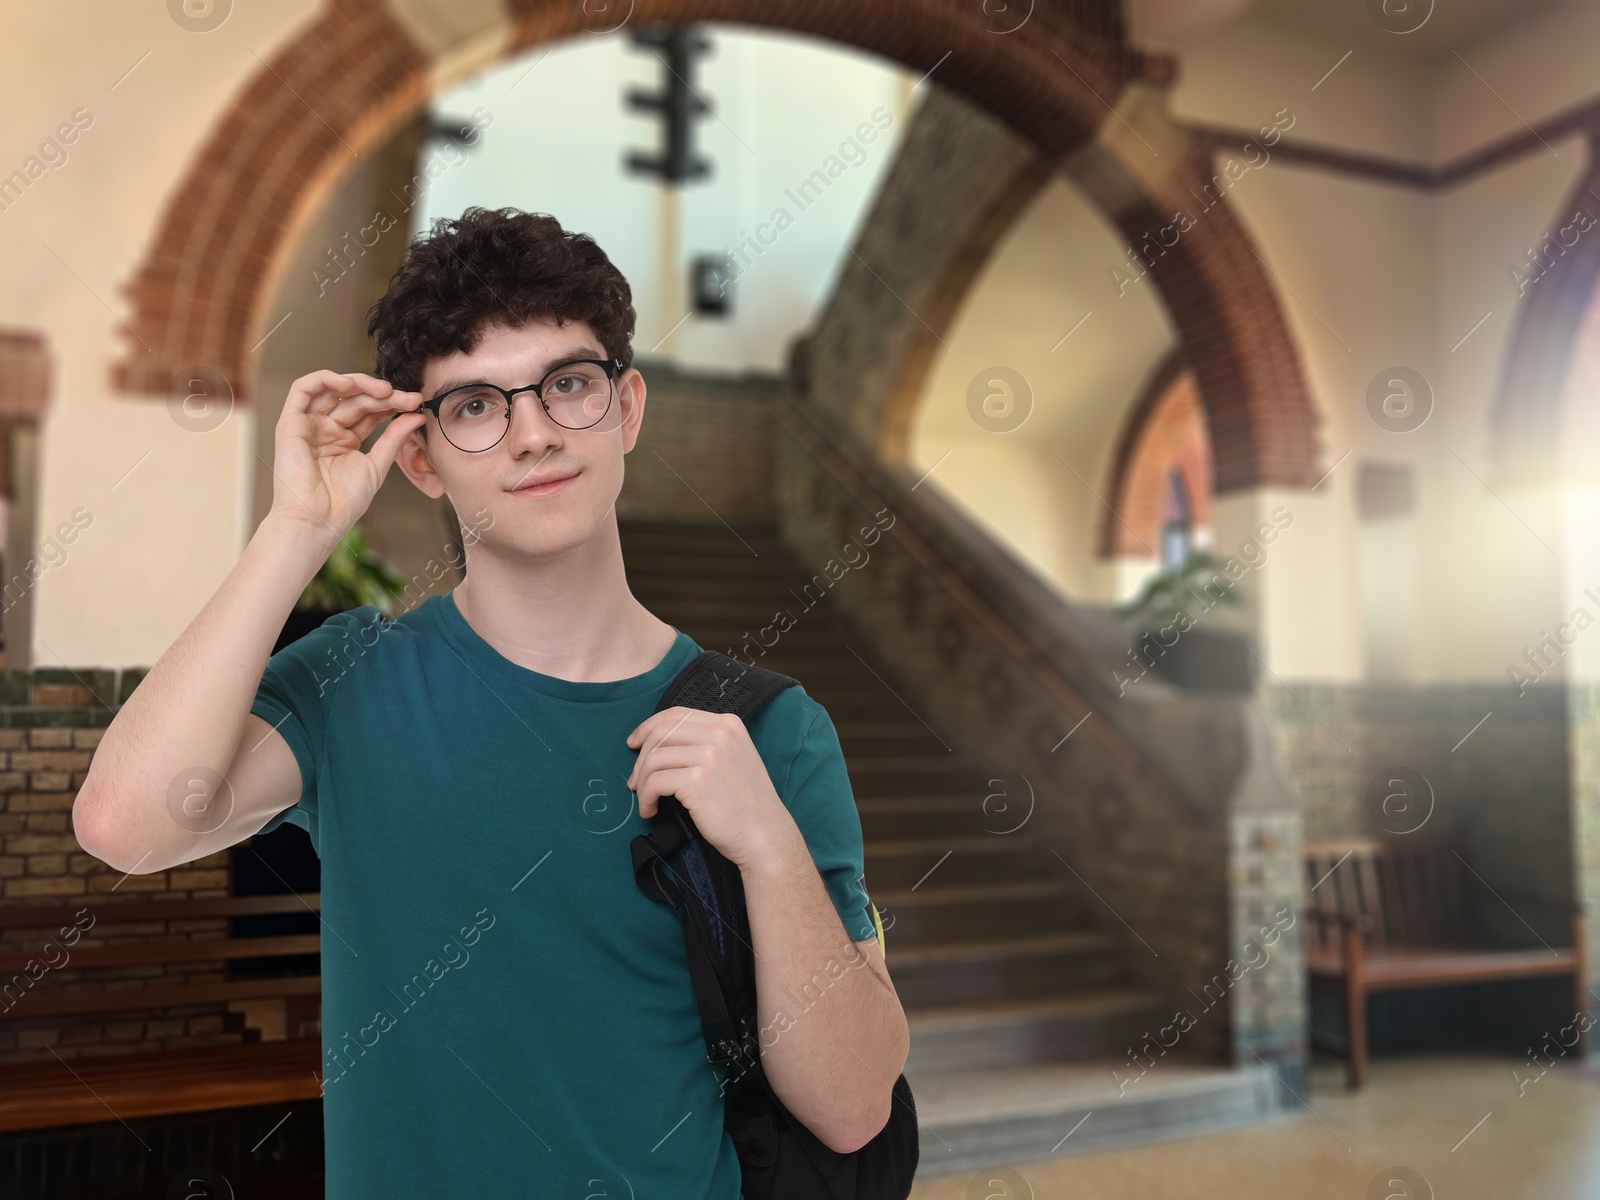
(353, 576)
(1168, 593)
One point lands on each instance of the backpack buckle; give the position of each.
(738, 1053)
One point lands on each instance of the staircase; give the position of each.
(1017, 999)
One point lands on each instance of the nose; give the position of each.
(532, 432)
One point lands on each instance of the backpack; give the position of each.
(780, 1159)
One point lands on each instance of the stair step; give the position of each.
(701, 546)
(918, 802)
(881, 728)
(643, 566)
(892, 865)
(846, 701)
(942, 913)
(678, 575)
(1033, 1030)
(869, 777)
(975, 1118)
(855, 745)
(967, 952)
(941, 763)
(759, 627)
(1001, 969)
(979, 893)
(969, 820)
(713, 604)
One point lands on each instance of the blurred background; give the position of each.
(1169, 426)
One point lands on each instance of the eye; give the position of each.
(474, 403)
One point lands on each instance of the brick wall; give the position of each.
(50, 723)
(1503, 791)
(705, 448)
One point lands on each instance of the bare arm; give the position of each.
(185, 769)
(832, 1032)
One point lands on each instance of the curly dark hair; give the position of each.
(494, 266)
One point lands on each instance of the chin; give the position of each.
(546, 535)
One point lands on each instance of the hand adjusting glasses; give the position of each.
(475, 416)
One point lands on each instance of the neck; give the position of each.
(569, 615)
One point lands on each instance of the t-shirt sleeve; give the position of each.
(818, 795)
(295, 697)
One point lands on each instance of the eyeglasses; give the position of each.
(475, 416)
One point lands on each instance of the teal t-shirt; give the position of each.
(504, 1013)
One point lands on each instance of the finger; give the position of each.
(387, 447)
(664, 757)
(362, 414)
(371, 383)
(643, 728)
(347, 407)
(303, 390)
(678, 724)
(665, 725)
(662, 783)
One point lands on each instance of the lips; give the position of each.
(544, 487)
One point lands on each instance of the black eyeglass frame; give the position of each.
(611, 366)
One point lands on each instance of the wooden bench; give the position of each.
(92, 1088)
(1392, 915)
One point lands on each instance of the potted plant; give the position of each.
(353, 576)
(1170, 614)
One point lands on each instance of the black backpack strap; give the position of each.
(716, 683)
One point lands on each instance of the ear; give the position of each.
(630, 398)
(415, 463)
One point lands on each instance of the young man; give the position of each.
(504, 1012)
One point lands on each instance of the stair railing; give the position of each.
(1174, 810)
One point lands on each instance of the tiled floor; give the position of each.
(1456, 1123)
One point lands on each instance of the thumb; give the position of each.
(387, 447)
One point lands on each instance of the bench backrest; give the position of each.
(1409, 890)
(97, 932)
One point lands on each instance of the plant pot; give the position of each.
(1203, 660)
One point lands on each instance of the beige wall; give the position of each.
(1048, 272)
(165, 534)
(1373, 275)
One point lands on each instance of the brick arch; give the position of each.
(1231, 329)
(198, 298)
(959, 181)
(1544, 407)
(1164, 431)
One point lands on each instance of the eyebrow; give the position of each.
(580, 355)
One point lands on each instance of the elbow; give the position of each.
(89, 826)
(92, 827)
(849, 1139)
(870, 1122)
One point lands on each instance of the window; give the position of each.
(1175, 523)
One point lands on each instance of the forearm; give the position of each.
(190, 710)
(833, 1034)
